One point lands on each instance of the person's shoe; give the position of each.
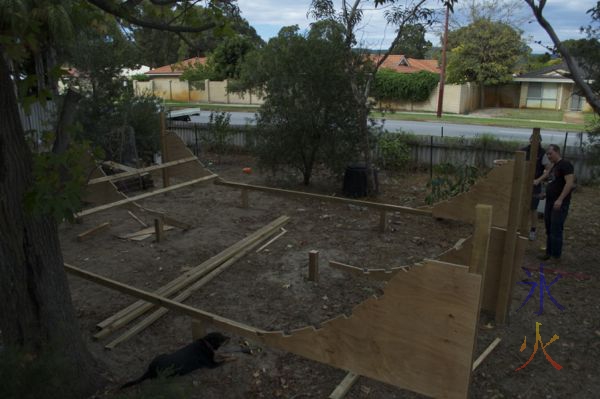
(544, 257)
(532, 235)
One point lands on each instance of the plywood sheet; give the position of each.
(419, 335)
(494, 189)
(176, 149)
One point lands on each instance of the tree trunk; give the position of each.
(36, 313)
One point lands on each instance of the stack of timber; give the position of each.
(183, 286)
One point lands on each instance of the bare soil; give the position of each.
(270, 290)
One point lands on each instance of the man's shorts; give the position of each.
(535, 198)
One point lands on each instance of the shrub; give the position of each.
(416, 87)
(394, 150)
(451, 180)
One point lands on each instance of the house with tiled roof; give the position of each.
(176, 69)
(402, 64)
(164, 82)
(550, 88)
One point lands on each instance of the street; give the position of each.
(435, 128)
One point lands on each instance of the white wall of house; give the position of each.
(458, 99)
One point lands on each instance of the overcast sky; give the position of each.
(268, 16)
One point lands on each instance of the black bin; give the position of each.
(355, 181)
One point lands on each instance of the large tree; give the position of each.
(308, 116)
(159, 48)
(36, 313)
(484, 52)
(360, 67)
(587, 77)
(412, 43)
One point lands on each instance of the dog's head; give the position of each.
(216, 339)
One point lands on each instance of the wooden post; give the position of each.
(159, 229)
(313, 266)
(510, 242)
(383, 221)
(198, 329)
(163, 149)
(245, 200)
(528, 182)
(481, 240)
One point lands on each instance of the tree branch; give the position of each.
(588, 93)
(119, 11)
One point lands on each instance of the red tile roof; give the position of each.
(400, 63)
(176, 69)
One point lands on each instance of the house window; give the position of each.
(576, 103)
(542, 95)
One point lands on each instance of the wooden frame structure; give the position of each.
(385, 338)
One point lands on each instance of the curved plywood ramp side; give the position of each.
(176, 149)
(101, 193)
(419, 335)
(494, 189)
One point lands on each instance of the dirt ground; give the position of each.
(269, 289)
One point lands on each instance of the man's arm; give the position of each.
(569, 184)
(544, 175)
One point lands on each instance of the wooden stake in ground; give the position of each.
(159, 229)
(313, 266)
(163, 149)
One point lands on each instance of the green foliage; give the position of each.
(412, 42)
(106, 121)
(59, 182)
(485, 52)
(309, 116)
(142, 77)
(27, 376)
(450, 180)
(593, 145)
(219, 132)
(391, 85)
(197, 73)
(163, 48)
(394, 150)
(227, 59)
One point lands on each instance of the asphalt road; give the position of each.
(435, 128)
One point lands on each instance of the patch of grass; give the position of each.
(534, 114)
(469, 120)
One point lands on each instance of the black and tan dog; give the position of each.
(199, 354)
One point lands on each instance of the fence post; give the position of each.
(431, 157)
(442, 131)
(564, 152)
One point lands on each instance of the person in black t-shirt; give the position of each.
(541, 163)
(561, 181)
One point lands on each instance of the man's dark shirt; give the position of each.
(539, 165)
(557, 181)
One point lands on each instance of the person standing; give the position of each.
(541, 164)
(561, 181)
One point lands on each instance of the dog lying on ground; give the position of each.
(199, 354)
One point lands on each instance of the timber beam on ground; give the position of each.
(123, 317)
(142, 196)
(320, 197)
(136, 172)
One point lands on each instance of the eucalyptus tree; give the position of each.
(36, 313)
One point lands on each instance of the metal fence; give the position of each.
(425, 150)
